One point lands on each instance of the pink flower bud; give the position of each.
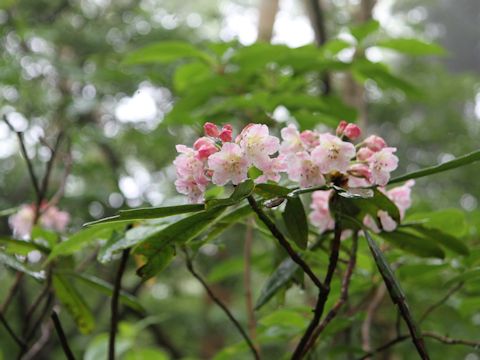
(364, 153)
(226, 135)
(375, 143)
(352, 131)
(211, 129)
(227, 127)
(341, 127)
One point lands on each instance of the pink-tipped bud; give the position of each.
(352, 131)
(226, 135)
(205, 147)
(341, 127)
(375, 143)
(211, 129)
(227, 127)
(364, 153)
(361, 171)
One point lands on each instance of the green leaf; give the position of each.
(268, 191)
(446, 240)
(21, 247)
(158, 247)
(39, 233)
(411, 46)
(360, 32)
(296, 221)
(450, 221)
(10, 211)
(282, 275)
(165, 52)
(448, 165)
(189, 73)
(74, 304)
(226, 222)
(13, 263)
(418, 245)
(242, 191)
(148, 213)
(107, 289)
(82, 238)
(226, 269)
(146, 354)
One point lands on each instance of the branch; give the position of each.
(322, 296)
(285, 244)
(343, 294)
(441, 301)
(247, 281)
(371, 309)
(10, 331)
(61, 336)
(114, 303)
(11, 293)
(221, 305)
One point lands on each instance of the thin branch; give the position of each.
(114, 303)
(31, 310)
(285, 244)
(11, 293)
(439, 303)
(216, 300)
(443, 339)
(343, 294)
(23, 149)
(61, 336)
(10, 331)
(43, 314)
(247, 281)
(322, 296)
(371, 309)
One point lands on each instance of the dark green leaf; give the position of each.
(74, 303)
(226, 269)
(107, 289)
(296, 221)
(13, 263)
(446, 240)
(448, 165)
(412, 46)
(158, 247)
(418, 245)
(226, 222)
(268, 191)
(165, 52)
(242, 191)
(21, 247)
(469, 275)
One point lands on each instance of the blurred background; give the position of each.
(74, 66)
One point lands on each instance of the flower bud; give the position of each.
(211, 129)
(375, 143)
(341, 127)
(352, 131)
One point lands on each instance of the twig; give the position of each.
(443, 339)
(343, 294)
(439, 303)
(61, 336)
(247, 281)
(40, 344)
(114, 303)
(285, 244)
(371, 309)
(45, 310)
(11, 293)
(322, 296)
(225, 309)
(10, 331)
(35, 304)
(23, 149)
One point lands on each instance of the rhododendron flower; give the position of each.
(257, 144)
(50, 218)
(352, 131)
(205, 147)
(364, 153)
(292, 142)
(188, 186)
(272, 170)
(375, 143)
(226, 135)
(360, 175)
(333, 154)
(381, 164)
(320, 216)
(229, 164)
(305, 171)
(310, 139)
(341, 128)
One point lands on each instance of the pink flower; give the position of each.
(359, 176)
(21, 223)
(320, 215)
(364, 153)
(401, 196)
(272, 170)
(333, 154)
(54, 219)
(229, 164)
(304, 170)
(352, 131)
(226, 135)
(257, 144)
(375, 143)
(292, 142)
(205, 147)
(310, 139)
(381, 164)
(188, 186)
(211, 129)
(341, 128)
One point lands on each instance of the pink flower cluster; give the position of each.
(50, 218)
(309, 158)
(400, 196)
